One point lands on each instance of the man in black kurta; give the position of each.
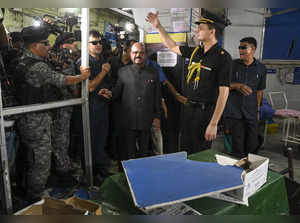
(138, 89)
(115, 140)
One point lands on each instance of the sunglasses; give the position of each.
(244, 47)
(46, 43)
(96, 42)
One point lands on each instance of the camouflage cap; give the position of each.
(32, 34)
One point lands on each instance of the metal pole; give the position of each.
(265, 133)
(85, 94)
(224, 33)
(290, 162)
(141, 35)
(6, 199)
(261, 50)
(40, 107)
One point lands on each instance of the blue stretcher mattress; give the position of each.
(161, 180)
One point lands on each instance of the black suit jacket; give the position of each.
(139, 92)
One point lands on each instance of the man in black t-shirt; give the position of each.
(98, 106)
(207, 82)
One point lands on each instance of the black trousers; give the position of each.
(244, 136)
(130, 140)
(195, 121)
(99, 124)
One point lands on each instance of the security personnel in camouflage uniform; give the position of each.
(35, 127)
(207, 82)
(60, 131)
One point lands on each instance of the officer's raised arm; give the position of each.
(152, 18)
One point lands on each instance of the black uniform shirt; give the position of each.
(217, 71)
(245, 107)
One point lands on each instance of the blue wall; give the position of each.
(280, 31)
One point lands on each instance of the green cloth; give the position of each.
(270, 199)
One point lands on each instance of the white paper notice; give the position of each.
(166, 58)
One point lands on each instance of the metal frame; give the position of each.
(85, 95)
(284, 63)
(6, 190)
(39, 107)
(288, 122)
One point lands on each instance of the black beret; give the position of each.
(63, 37)
(33, 34)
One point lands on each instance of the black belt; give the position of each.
(197, 104)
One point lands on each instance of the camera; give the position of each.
(50, 27)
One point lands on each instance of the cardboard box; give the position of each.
(253, 179)
(70, 206)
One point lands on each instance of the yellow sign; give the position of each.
(155, 38)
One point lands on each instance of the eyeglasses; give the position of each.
(96, 42)
(244, 47)
(46, 43)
